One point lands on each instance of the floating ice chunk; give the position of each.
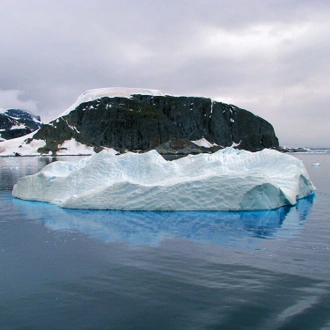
(226, 180)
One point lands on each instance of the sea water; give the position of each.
(71, 269)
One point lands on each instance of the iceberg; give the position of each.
(228, 180)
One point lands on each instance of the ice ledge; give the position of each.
(228, 180)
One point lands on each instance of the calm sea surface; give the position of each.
(69, 269)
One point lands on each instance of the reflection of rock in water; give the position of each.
(151, 228)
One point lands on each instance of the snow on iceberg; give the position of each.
(226, 180)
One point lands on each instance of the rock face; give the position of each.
(15, 123)
(144, 122)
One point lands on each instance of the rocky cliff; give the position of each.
(15, 123)
(142, 122)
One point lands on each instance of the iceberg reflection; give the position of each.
(239, 229)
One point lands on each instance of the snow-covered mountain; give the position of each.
(130, 119)
(16, 123)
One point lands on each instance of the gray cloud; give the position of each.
(14, 98)
(270, 58)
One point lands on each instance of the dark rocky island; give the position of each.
(141, 122)
(15, 123)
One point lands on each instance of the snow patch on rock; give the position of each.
(204, 143)
(73, 147)
(21, 146)
(27, 146)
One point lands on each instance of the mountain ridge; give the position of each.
(15, 123)
(138, 120)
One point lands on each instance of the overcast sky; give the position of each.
(270, 57)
